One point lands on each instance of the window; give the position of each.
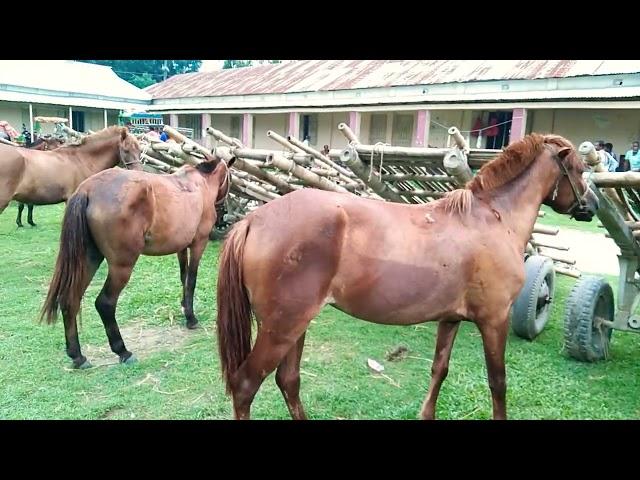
(235, 127)
(78, 121)
(309, 128)
(193, 123)
(378, 128)
(402, 130)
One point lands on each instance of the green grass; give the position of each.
(182, 379)
(563, 221)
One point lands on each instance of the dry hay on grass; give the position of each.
(142, 340)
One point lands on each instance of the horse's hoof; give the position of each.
(130, 360)
(33, 224)
(19, 225)
(193, 325)
(85, 365)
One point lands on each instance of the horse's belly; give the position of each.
(167, 242)
(47, 196)
(414, 295)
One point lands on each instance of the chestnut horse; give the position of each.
(48, 177)
(458, 258)
(119, 215)
(42, 144)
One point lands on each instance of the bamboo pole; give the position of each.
(319, 156)
(348, 133)
(218, 135)
(538, 243)
(537, 228)
(556, 258)
(455, 163)
(616, 179)
(351, 158)
(567, 272)
(289, 166)
(267, 177)
(459, 139)
(284, 142)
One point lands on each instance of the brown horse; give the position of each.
(42, 143)
(459, 258)
(48, 177)
(120, 215)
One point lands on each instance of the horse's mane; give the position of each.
(101, 135)
(507, 165)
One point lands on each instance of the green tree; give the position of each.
(143, 73)
(245, 63)
(236, 63)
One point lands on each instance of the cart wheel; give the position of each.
(531, 308)
(585, 337)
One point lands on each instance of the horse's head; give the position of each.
(218, 175)
(570, 194)
(129, 149)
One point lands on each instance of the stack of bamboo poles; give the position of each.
(398, 174)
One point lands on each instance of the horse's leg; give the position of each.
(183, 260)
(195, 254)
(288, 380)
(69, 317)
(271, 347)
(106, 304)
(30, 215)
(494, 339)
(19, 218)
(446, 335)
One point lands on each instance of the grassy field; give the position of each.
(178, 376)
(563, 221)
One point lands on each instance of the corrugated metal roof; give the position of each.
(329, 75)
(51, 77)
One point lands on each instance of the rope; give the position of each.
(479, 129)
(377, 147)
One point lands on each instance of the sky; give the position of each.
(209, 65)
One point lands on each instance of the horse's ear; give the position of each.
(231, 161)
(123, 134)
(563, 152)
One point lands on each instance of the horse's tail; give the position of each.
(234, 308)
(71, 270)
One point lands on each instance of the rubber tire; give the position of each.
(581, 340)
(525, 320)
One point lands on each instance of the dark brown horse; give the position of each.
(119, 215)
(42, 143)
(49, 177)
(459, 258)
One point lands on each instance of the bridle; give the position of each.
(227, 178)
(578, 209)
(137, 161)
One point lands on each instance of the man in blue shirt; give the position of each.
(163, 135)
(610, 164)
(633, 157)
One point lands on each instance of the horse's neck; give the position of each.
(99, 156)
(519, 201)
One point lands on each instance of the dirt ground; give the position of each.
(594, 253)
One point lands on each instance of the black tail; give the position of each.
(71, 271)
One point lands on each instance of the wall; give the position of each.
(262, 123)
(620, 127)
(18, 113)
(328, 133)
